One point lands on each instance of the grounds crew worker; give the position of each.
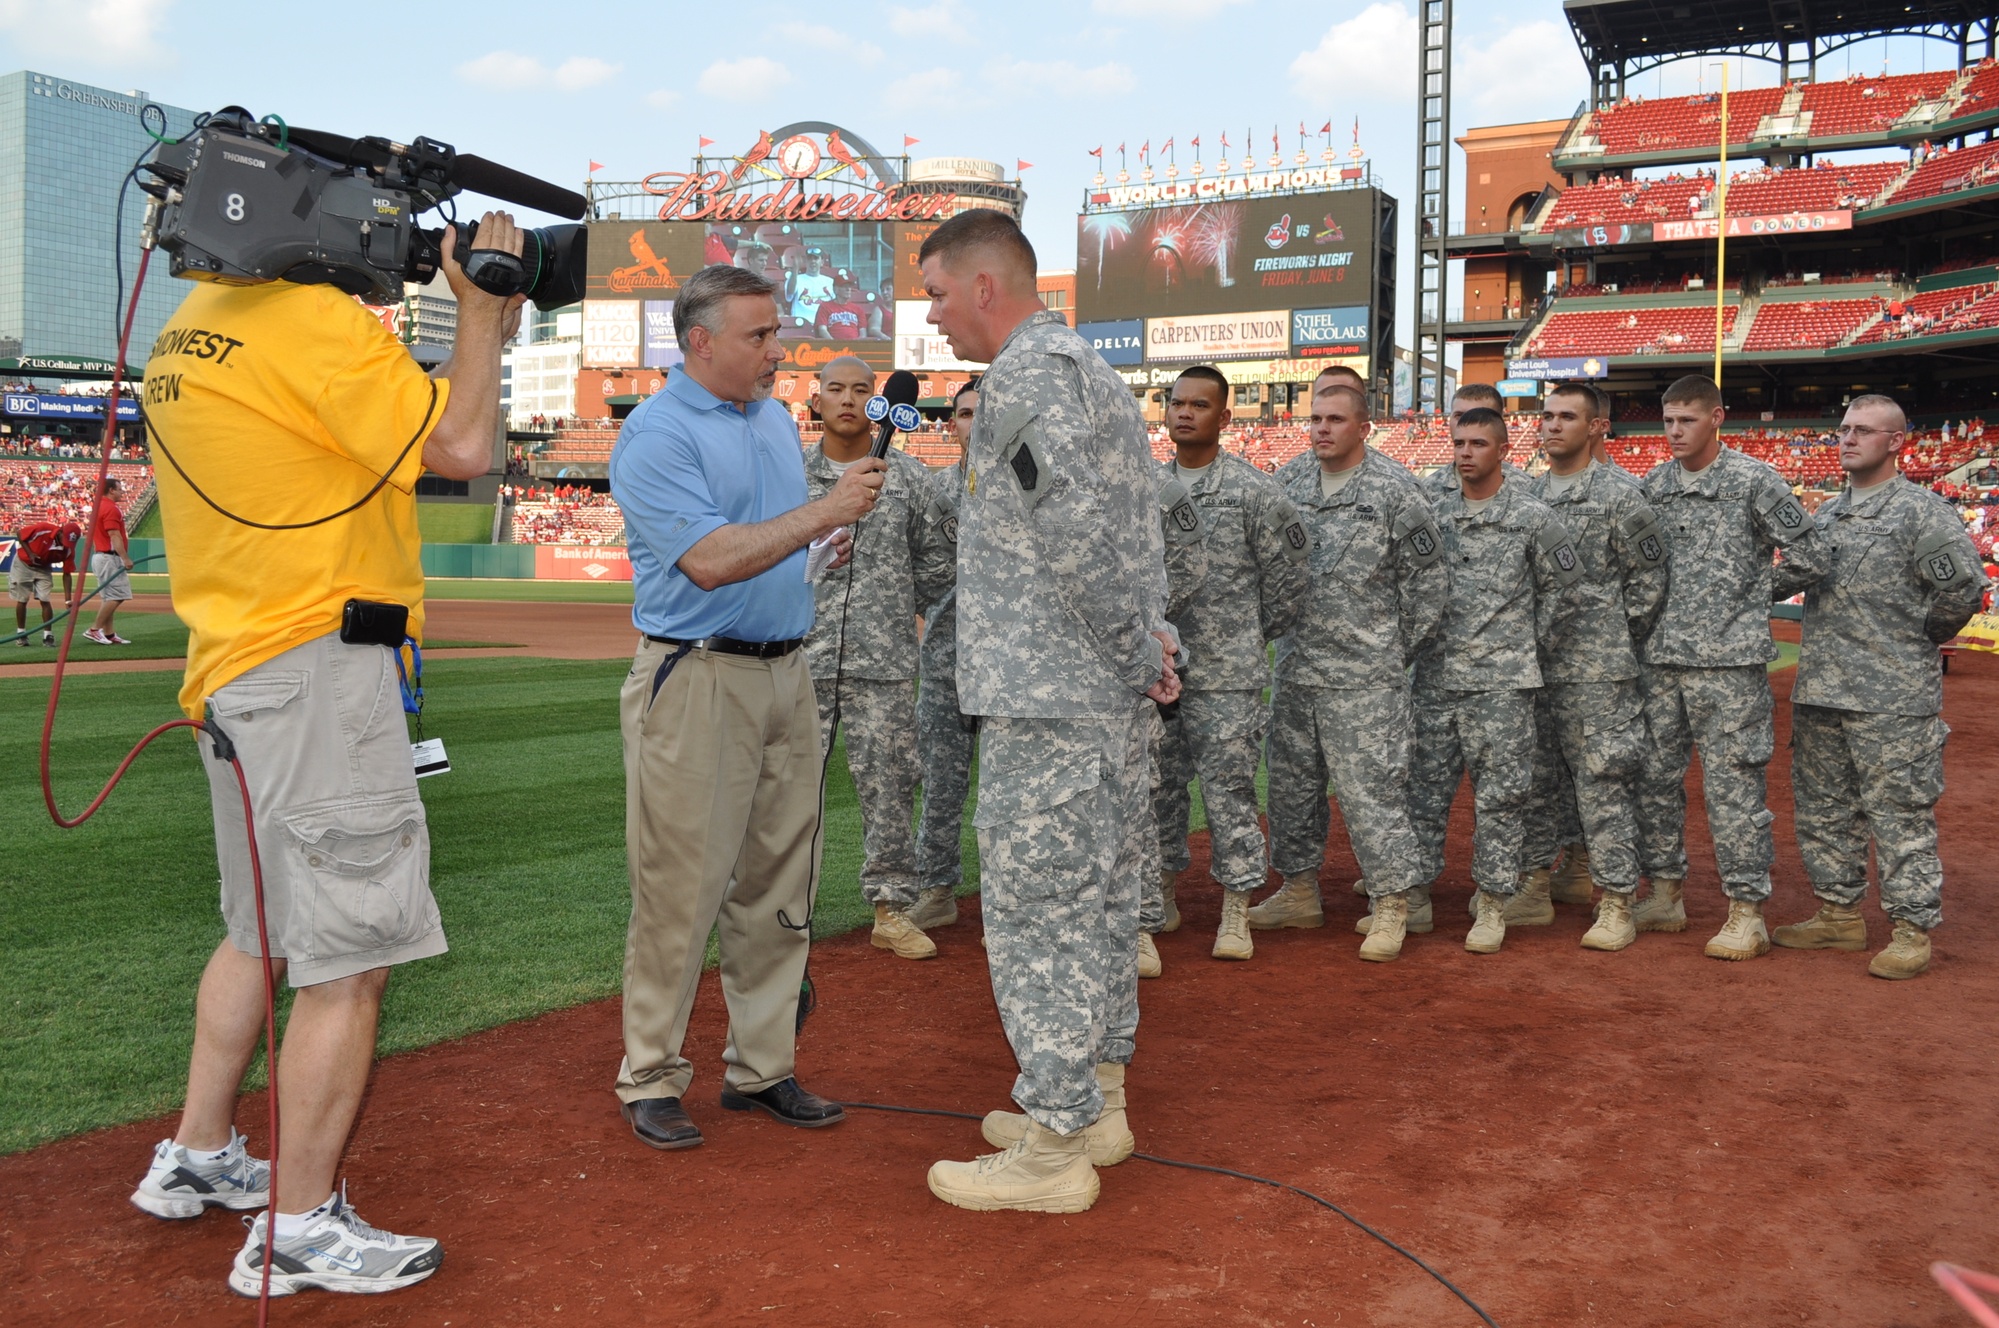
(944, 735)
(39, 548)
(1341, 700)
(1253, 582)
(1589, 668)
(721, 730)
(1061, 640)
(1473, 692)
(873, 660)
(1867, 737)
(301, 404)
(1705, 675)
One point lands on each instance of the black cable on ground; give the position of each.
(1440, 1279)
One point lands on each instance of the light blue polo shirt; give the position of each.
(686, 464)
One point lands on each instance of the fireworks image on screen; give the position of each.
(1214, 233)
(1172, 244)
(1108, 228)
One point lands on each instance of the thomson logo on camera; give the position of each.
(242, 160)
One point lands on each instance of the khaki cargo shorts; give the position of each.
(341, 832)
(25, 583)
(112, 581)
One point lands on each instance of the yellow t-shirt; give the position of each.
(283, 403)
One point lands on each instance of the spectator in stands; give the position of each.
(40, 547)
(1867, 739)
(111, 564)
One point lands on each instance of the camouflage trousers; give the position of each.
(1727, 714)
(878, 720)
(1064, 823)
(1858, 777)
(1552, 821)
(1601, 741)
(944, 744)
(1491, 736)
(1151, 898)
(1359, 741)
(1219, 737)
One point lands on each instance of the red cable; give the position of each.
(242, 784)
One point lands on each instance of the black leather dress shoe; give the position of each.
(661, 1122)
(789, 1103)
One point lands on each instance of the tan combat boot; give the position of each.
(1390, 922)
(895, 932)
(1530, 905)
(935, 907)
(1421, 920)
(1108, 1137)
(1489, 932)
(1169, 882)
(1664, 909)
(1743, 936)
(1613, 929)
(1296, 904)
(1360, 886)
(1571, 883)
(1908, 953)
(1232, 937)
(1148, 957)
(1833, 927)
(1043, 1172)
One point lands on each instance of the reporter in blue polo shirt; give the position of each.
(721, 730)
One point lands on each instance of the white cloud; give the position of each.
(662, 99)
(1060, 77)
(746, 79)
(946, 18)
(509, 71)
(118, 32)
(1166, 9)
(824, 43)
(1486, 79)
(1371, 55)
(927, 89)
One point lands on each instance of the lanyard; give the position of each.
(411, 680)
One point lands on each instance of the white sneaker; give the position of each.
(117, 640)
(339, 1252)
(177, 1186)
(92, 634)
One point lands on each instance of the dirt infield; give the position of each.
(1650, 1138)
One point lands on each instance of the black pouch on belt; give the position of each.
(366, 622)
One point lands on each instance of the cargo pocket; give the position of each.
(1615, 738)
(1911, 766)
(1037, 829)
(1749, 738)
(259, 691)
(369, 864)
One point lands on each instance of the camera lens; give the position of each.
(554, 261)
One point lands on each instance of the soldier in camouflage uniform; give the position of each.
(1062, 639)
(1184, 535)
(1511, 561)
(1256, 552)
(1305, 463)
(944, 735)
(1705, 675)
(1867, 735)
(1589, 665)
(1341, 705)
(862, 648)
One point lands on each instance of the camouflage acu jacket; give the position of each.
(1255, 551)
(880, 612)
(1378, 583)
(937, 574)
(1594, 632)
(1903, 577)
(1061, 571)
(1722, 527)
(1510, 564)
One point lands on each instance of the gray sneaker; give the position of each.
(339, 1252)
(177, 1186)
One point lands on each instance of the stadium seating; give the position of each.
(1945, 172)
(1837, 185)
(1933, 313)
(1682, 330)
(1807, 324)
(542, 517)
(1861, 105)
(583, 442)
(60, 490)
(1682, 122)
(1980, 92)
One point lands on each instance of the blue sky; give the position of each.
(549, 87)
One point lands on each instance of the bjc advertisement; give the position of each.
(581, 562)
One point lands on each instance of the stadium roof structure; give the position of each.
(1621, 38)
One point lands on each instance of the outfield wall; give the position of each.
(509, 562)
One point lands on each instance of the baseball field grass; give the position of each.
(108, 926)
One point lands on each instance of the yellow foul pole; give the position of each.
(1721, 228)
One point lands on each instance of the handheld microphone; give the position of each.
(894, 410)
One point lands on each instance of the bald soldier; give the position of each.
(1867, 735)
(862, 648)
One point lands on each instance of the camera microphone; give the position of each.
(894, 410)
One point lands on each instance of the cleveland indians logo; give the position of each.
(1279, 233)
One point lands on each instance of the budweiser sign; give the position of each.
(712, 196)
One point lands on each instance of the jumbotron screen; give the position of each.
(1294, 275)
